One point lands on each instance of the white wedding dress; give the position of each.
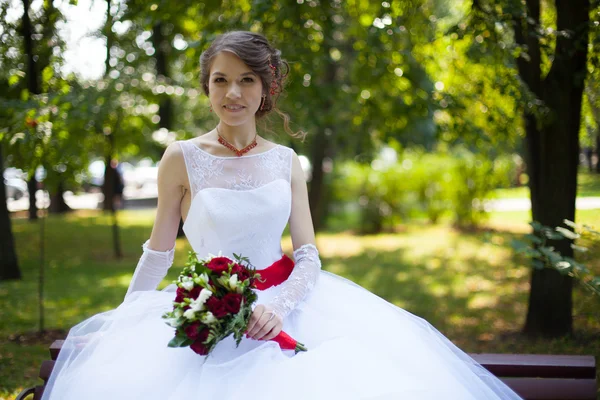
(359, 345)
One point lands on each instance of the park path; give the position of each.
(147, 200)
(582, 203)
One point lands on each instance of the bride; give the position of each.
(236, 192)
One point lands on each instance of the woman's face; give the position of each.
(234, 90)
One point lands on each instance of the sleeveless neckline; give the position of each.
(234, 158)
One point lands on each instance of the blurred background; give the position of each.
(452, 156)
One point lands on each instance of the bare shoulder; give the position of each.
(297, 171)
(171, 168)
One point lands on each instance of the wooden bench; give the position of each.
(532, 376)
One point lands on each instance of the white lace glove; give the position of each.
(300, 282)
(151, 269)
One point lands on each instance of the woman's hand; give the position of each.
(264, 323)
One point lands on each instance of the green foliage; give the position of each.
(538, 248)
(455, 182)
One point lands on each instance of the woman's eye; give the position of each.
(247, 79)
(218, 80)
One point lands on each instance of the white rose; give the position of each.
(208, 318)
(189, 314)
(178, 313)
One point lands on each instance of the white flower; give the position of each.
(187, 283)
(189, 314)
(202, 279)
(174, 322)
(198, 304)
(233, 281)
(223, 281)
(204, 295)
(208, 318)
(178, 313)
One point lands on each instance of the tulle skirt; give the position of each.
(359, 347)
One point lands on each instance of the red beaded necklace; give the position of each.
(231, 147)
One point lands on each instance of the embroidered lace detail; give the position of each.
(201, 166)
(300, 282)
(236, 173)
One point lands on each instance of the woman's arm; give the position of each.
(172, 184)
(263, 324)
(158, 252)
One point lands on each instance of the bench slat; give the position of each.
(46, 369)
(55, 348)
(538, 365)
(552, 388)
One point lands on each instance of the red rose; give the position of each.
(192, 330)
(216, 307)
(243, 275)
(198, 346)
(232, 302)
(195, 292)
(181, 294)
(219, 264)
(236, 268)
(241, 271)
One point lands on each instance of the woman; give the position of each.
(236, 192)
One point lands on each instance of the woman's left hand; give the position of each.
(264, 324)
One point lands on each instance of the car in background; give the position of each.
(15, 184)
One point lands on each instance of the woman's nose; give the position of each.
(234, 91)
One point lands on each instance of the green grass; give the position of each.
(467, 284)
(588, 185)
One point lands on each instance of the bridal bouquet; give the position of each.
(214, 300)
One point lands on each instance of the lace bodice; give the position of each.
(239, 204)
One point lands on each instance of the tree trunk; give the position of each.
(9, 265)
(33, 86)
(110, 172)
(32, 189)
(57, 201)
(321, 148)
(162, 46)
(108, 187)
(598, 151)
(552, 154)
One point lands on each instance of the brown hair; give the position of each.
(263, 59)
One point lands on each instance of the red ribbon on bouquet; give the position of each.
(275, 274)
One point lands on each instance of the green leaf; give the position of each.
(567, 233)
(552, 235)
(563, 267)
(570, 224)
(537, 264)
(579, 248)
(536, 226)
(533, 238)
(179, 341)
(579, 268)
